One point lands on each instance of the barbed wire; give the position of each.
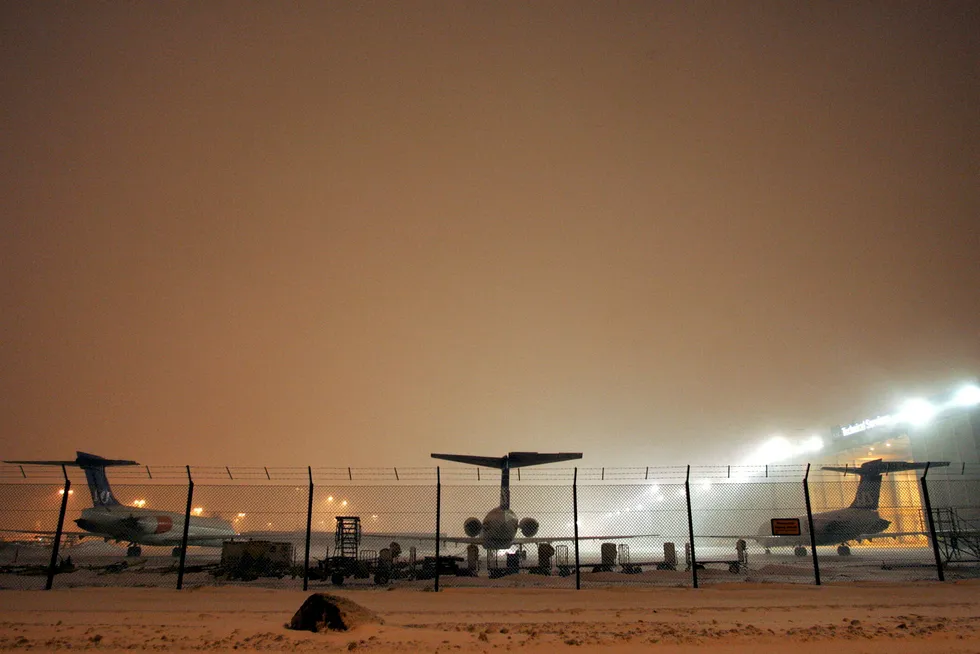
(458, 475)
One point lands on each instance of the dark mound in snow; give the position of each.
(322, 611)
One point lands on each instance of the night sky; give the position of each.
(338, 234)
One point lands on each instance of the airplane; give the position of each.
(499, 527)
(112, 521)
(860, 521)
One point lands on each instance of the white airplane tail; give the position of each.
(508, 461)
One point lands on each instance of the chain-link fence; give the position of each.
(551, 527)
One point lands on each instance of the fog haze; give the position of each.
(355, 234)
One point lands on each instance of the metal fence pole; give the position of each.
(438, 513)
(309, 527)
(187, 523)
(690, 526)
(578, 571)
(52, 568)
(809, 522)
(932, 525)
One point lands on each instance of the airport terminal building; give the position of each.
(939, 429)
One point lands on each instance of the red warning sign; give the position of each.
(785, 526)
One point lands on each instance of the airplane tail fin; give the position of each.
(94, 467)
(508, 461)
(511, 460)
(869, 488)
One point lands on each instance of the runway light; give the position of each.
(967, 396)
(344, 503)
(330, 499)
(916, 412)
(61, 491)
(241, 515)
(139, 503)
(198, 510)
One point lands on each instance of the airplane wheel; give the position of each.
(337, 579)
(134, 550)
(175, 552)
(799, 551)
(843, 550)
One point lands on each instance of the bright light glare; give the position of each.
(198, 510)
(344, 503)
(241, 515)
(330, 499)
(916, 412)
(967, 396)
(139, 503)
(778, 448)
(812, 444)
(62, 492)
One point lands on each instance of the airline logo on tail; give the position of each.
(94, 467)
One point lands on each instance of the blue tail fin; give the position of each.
(869, 488)
(94, 467)
(98, 483)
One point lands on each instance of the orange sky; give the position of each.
(356, 233)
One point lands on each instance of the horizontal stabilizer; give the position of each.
(83, 460)
(511, 460)
(879, 467)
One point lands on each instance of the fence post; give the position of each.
(438, 526)
(690, 526)
(187, 523)
(309, 527)
(578, 572)
(932, 525)
(809, 522)
(57, 534)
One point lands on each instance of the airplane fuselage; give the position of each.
(830, 528)
(499, 529)
(148, 527)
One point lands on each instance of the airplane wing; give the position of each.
(571, 539)
(321, 537)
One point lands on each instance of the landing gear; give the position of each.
(843, 550)
(134, 550)
(768, 551)
(799, 550)
(175, 552)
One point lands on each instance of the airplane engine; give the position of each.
(528, 527)
(472, 527)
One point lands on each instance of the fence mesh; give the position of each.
(634, 528)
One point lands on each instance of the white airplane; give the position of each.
(860, 521)
(109, 519)
(499, 527)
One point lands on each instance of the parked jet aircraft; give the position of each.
(498, 529)
(109, 519)
(860, 521)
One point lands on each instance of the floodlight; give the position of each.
(812, 444)
(776, 448)
(967, 396)
(916, 412)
